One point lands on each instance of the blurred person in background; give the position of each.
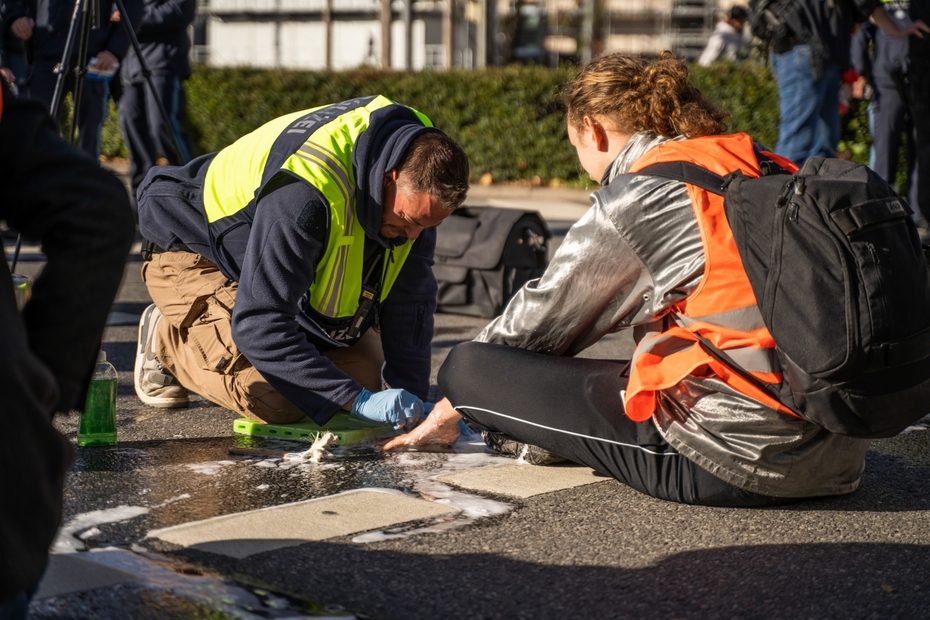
(727, 40)
(882, 63)
(16, 27)
(808, 64)
(918, 91)
(106, 46)
(165, 45)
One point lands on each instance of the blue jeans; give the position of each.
(810, 109)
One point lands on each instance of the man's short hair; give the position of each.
(434, 164)
(738, 12)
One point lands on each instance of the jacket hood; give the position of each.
(378, 150)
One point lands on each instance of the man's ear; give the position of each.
(597, 134)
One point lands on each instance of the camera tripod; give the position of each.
(86, 15)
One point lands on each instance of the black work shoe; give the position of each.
(507, 446)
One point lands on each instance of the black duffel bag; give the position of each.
(484, 255)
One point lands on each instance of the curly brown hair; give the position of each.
(637, 94)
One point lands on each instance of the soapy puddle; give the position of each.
(188, 588)
(68, 542)
(469, 452)
(160, 486)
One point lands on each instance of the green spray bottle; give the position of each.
(98, 421)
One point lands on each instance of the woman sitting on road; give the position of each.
(656, 256)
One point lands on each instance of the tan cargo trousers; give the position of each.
(194, 341)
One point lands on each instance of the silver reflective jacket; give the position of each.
(635, 253)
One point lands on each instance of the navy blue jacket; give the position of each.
(830, 26)
(10, 11)
(275, 264)
(886, 56)
(49, 43)
(163, 38)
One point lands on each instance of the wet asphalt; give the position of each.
(598, 551)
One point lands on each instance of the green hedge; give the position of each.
(508, 120)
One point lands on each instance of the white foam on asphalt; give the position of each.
(66, 542)
(110, 566)
(470, 452)
(210, 468)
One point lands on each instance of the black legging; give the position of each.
(572, 407)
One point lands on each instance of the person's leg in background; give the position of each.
(887, 113)
(20, 68)
(827, 90)
(919, 100)
(95, 104)
(133, 119)
(43, 80)
(573, 407)
(799, 97)
(170, 89)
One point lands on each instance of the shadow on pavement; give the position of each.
(854, 580)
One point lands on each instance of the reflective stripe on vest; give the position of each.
(722, 308)
(239, 173)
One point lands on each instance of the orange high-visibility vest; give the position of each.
(723, 307)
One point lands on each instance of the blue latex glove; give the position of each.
(399, 408)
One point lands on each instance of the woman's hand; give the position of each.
(441, 427)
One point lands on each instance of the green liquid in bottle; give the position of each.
(98, 422)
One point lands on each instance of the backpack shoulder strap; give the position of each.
(699, 176)
(690, 173)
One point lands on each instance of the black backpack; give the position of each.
(484, 255)
(836, 265)
(783, 24)
(775, 21)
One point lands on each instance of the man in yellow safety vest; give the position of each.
(291, 270)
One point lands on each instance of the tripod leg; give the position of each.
(62, 68)
(80, 70)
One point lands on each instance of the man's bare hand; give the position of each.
(441, 427)
(917, 29)
(858, 88)
(22, 28)
(7, 74)
(105, 60)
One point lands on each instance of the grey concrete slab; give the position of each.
(69, 573)
(247, 533)
(521, 479)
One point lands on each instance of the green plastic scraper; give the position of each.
(347, 429)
